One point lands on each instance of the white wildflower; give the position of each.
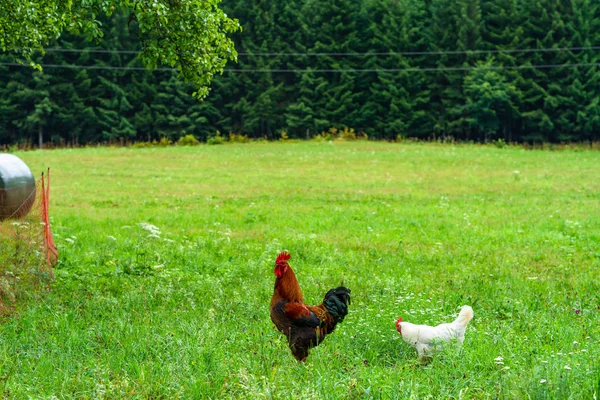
(150, 228)
(543, 381)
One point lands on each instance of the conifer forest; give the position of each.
(470, 70)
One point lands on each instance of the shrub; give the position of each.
(500, 143)
(141, 145)
(344, 134)
(238, 138)
(188, 140)
(215, 138)
(163, 142)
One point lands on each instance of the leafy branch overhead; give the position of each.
(188, 35)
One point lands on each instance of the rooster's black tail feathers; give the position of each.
(336, 302)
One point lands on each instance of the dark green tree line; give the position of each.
(476, 70)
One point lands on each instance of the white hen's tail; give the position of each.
(464, 317)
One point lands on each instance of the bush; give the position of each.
(344, 134)
(188, 140)
(238, 138)
(142, 145)
(215, 139)
(164, 142)
(500, 143)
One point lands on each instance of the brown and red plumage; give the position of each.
(304, 326)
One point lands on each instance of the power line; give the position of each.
(63, 50)
(417, 53)
(95, 67)
(356, 54)
(427, 69)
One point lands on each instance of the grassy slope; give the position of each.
(413, 230)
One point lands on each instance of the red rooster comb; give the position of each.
(282, 257)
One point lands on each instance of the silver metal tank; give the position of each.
(17, 187)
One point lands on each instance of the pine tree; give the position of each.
(420, 109)
(490, 100)
(468, 39)
(9, 107)
(585, 86)
(538, 108)
(386, 112)
(502, 31)
(331, 29)
(36, 106)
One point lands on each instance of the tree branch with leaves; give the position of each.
(188, 35)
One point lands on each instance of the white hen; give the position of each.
(426, 338)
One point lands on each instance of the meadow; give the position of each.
(166, 272)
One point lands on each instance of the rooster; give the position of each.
(425, 338)
(304, 326)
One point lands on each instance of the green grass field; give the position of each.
(415, 230)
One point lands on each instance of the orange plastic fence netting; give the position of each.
(29, 224)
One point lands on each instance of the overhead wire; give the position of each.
(342, 70)
(354, 70)
(92, 67)
(350, 54)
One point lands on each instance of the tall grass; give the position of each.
(23, 269)
(166, 272)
